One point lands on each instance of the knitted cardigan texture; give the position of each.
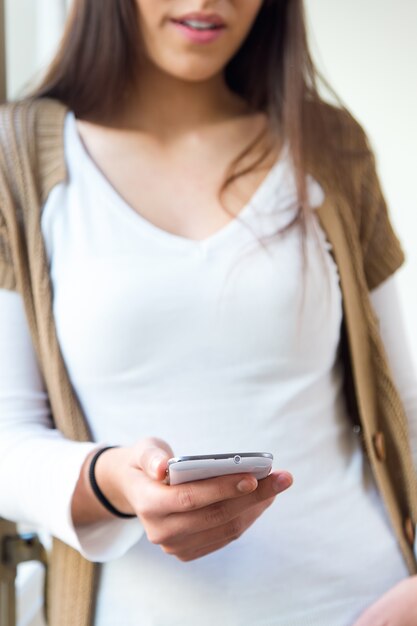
(364, 247)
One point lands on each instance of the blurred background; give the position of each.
(366, 49)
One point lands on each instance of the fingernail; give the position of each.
(281, 482)
(246, 485)
(155, 463)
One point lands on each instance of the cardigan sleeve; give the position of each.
(382, 250)
(7, 272)
(387, 305)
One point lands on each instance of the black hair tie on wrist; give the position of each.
(97, 491)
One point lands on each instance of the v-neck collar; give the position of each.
(260, 196)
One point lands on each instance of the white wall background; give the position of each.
(367, 49)
(33, 28)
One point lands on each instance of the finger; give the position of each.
(225, 533)
(275, 483)
(173, 499)
(213, 502)
(151, 455)
(242, 493)
(192, 555)
(196, 551)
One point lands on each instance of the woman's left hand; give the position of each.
(397, 607)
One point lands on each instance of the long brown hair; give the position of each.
(99, 56)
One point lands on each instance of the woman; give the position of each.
(174, 308)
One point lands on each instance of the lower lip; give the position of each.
(199, 36)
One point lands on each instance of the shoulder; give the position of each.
(31, 142)
(32, 109)
(340, 155)
(28, 120)
(336, 144)
(337, 150)
(341, 128)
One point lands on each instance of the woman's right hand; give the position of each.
(188, 520)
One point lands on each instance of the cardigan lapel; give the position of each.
(35, 133)
(355, 314)
(73, 579)
(353, 310)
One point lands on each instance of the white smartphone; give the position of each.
(184, 469)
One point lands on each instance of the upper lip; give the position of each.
(210, 18)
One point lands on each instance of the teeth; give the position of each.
(199, 25)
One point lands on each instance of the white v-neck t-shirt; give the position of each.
(204, 344)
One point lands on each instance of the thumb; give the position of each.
(152, 457)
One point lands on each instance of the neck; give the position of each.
(167, 106)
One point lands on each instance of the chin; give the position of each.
(191, 68)
(194, 77)
(194, 73)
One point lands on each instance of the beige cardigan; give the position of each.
(365, 249)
